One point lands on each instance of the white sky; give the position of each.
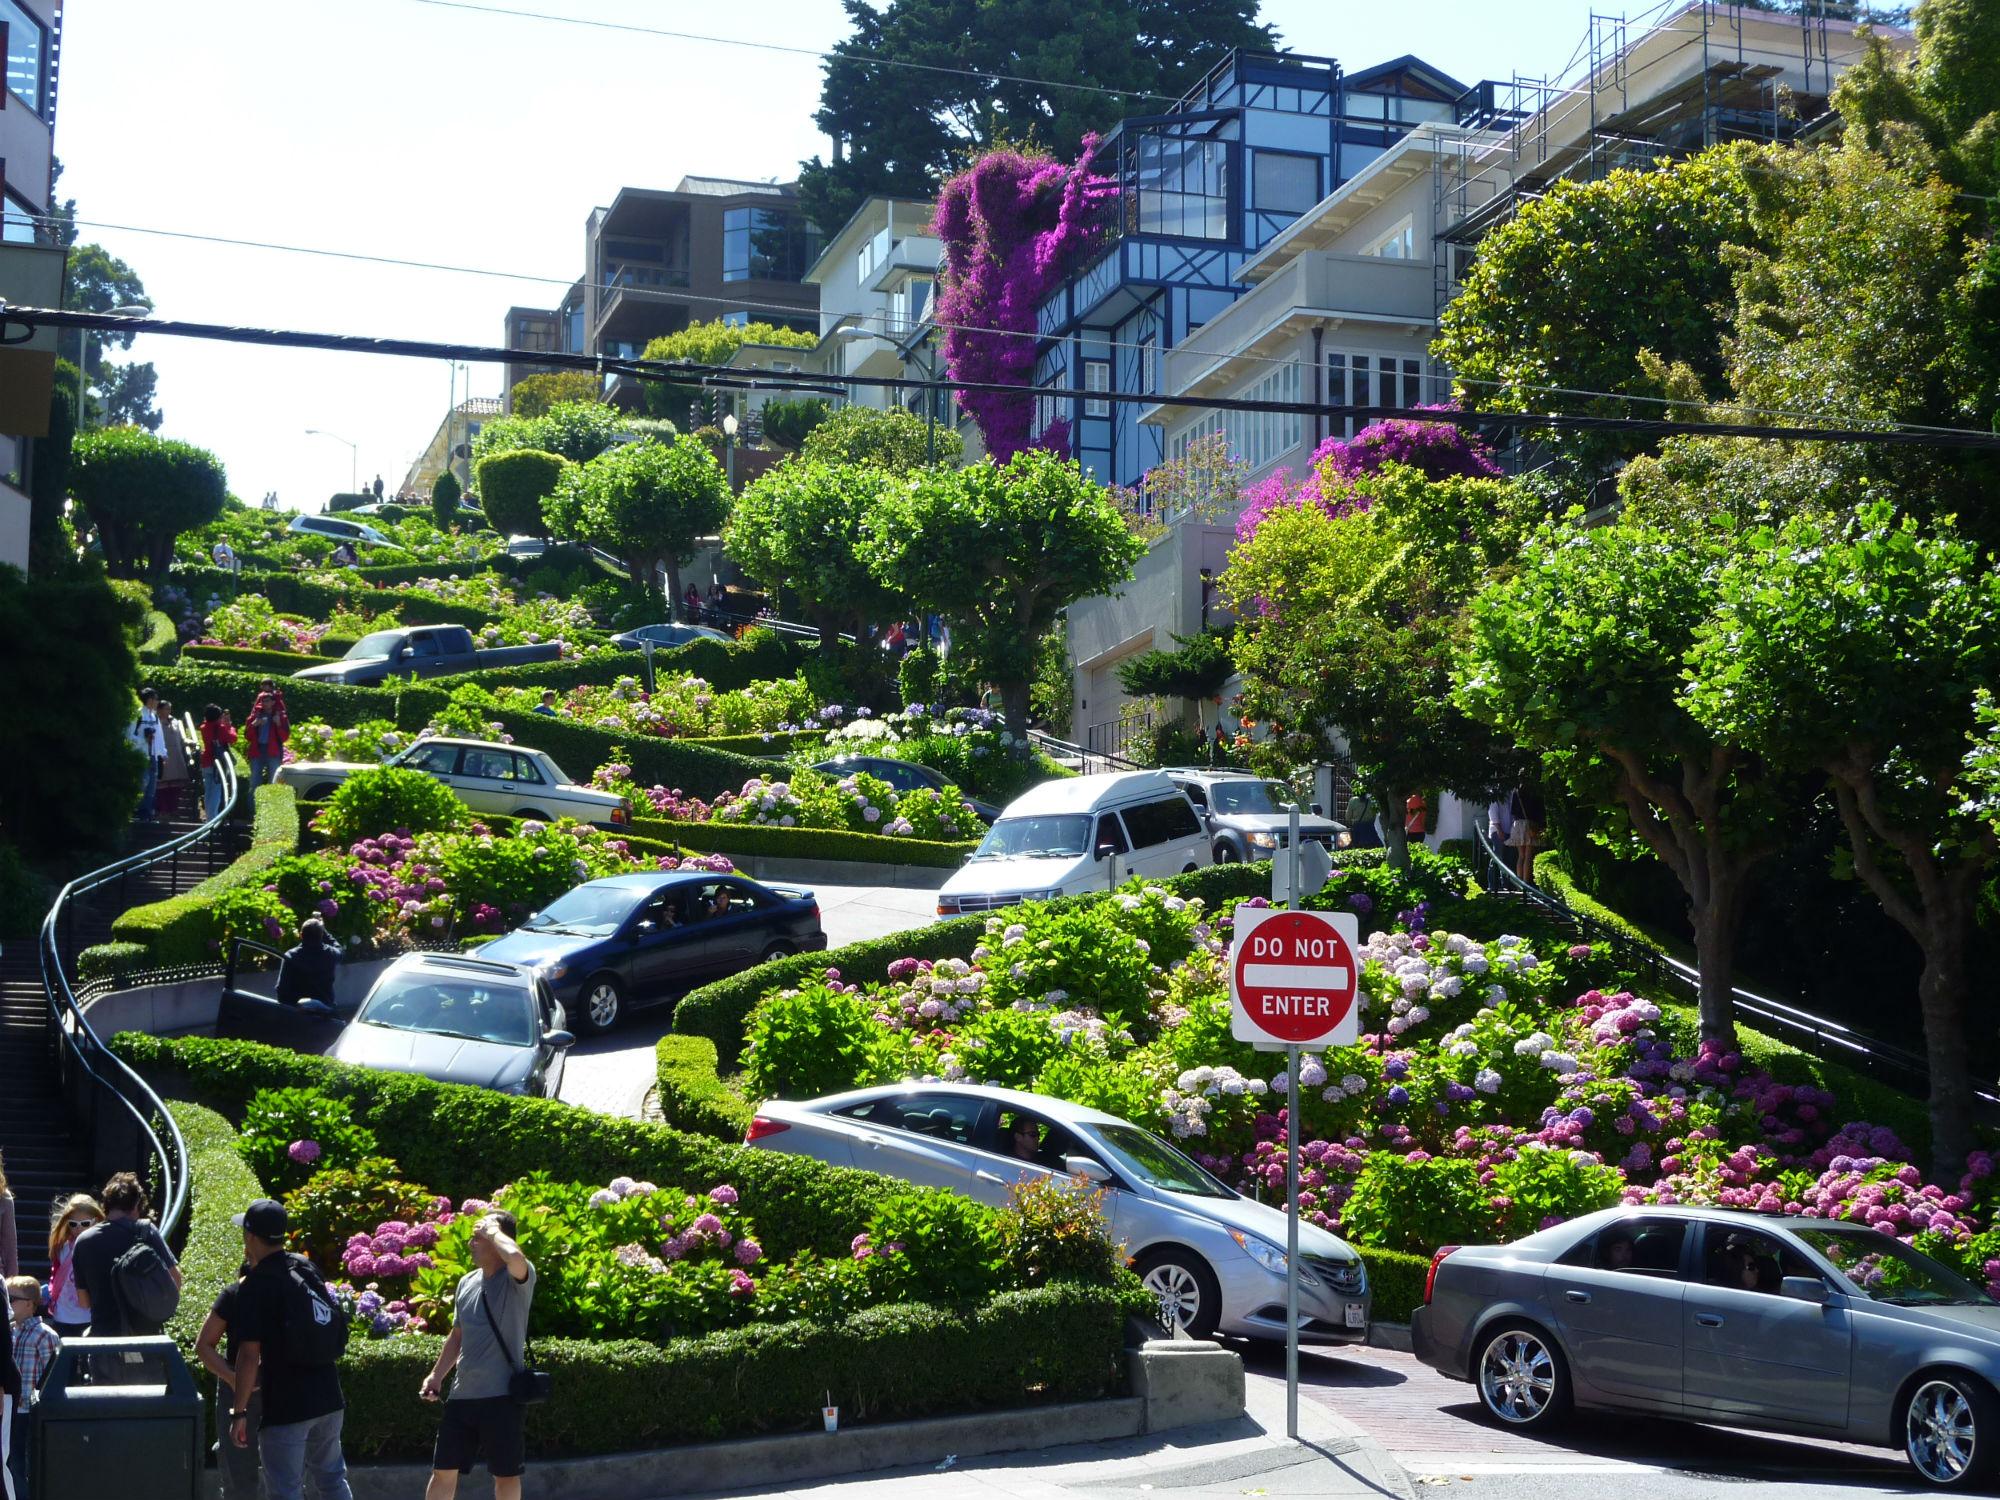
(398, 128)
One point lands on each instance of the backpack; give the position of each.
(144, 1287)
(316, 1326)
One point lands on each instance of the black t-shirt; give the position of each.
(225, 1309)
(292, 1393)
(97, 1250)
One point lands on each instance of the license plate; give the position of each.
(1357, 1315)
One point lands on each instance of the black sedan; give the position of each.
(903, 775)
(629, 941)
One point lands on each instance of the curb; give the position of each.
(1392, 1336)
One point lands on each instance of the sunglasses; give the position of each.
(78, 1223)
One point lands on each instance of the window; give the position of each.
(1162, 821)
(916, 301)
(1749, 1260)
(1645, 1246)
(943, 1117)
(1183, 187)
(27, 52)
(1399, 243)
(1284, 184)
(766, 244)
(1096, 377)
(1023, 1137)
(1257, 438)
(17, 221)
(1149, 366)
(434, 760)
(1373, 380)
(489, 765)
(525, 770)
(423, 643)
(1110, 831)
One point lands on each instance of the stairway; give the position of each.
(46, 1155)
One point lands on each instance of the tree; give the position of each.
(128, 392)
(647, 502)
(1931, 109)
(513, 486)
(1579, 656)
(1197, 668)
(94, 280)
(1857, 650)
(1348, 626)
(444, 500)
(49, 543)
(892, 439)
(800, 527)
(710, 343)
(141, 492)
(533, 395)
(899, 129)
(999, 551)
(577, 430)
(788, 423)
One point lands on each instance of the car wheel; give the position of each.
(1522, 1378)
(1951, 1426)
(1225, 855)
(601, 1004)
(1186, 1290)
(777, 950)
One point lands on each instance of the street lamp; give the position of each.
(353, 455)
(729, 448)
(930, 374)
(128, 310)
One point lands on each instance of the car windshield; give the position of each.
(588, 910)
(1030, 838)
(470, 1012)
(1885, 1269)
(1153, 1161)
(1248, 797)
(381, 643)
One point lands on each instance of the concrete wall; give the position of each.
(1162, 600)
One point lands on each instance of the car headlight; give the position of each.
(1263, 840)
(1269, 1256)
(551, 971)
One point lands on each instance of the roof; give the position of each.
(652, 880)
(732, 187)
(1075, 794)
(1041, 1104)
(1409, 62)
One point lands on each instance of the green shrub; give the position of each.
(1055, 1231)
(159, 639)
(692, 1096)
(817, 1039)
(1397, 1282)
(370, 1192)
(386, 799)
(181, 930)
(1400, 1203)
(935, 1247)
(249, 659)
(222, 1184)
(803, 843)
(323, 1127)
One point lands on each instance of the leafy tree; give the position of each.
(1348, 627)
(1000, 550)
(513, 485)
(577, 430)
(128, 392)
(647, 502)
(1052, 694)
(1197, 668)
(799, 527)
(710, 343)
(1858, 651)
(902, 128)
(787, 423)
(444, 500)
(533, 395)
(892, 439)
(1932, 108)
(141, 492)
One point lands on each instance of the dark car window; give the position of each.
(1161, 821)
(423, 643)
(1644, 1246)
(489, 765)
(1749, 1260)
(1195, 794)
(1110, 831)
(470, 1012)
(593, 909)
(1052, 1142)
(525, 770)
(436, 760)
(947, 1117)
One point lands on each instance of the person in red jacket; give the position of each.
(267, 729)
(217, 735)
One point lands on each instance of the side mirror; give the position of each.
(401, 651)
(645, 924)
(1089, 1168)
(1804, 1289)
(562, 1041)
(1105, 851)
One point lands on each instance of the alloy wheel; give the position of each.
(1940, 1432)
(601, 1004)
(1517, 1377)
(1173, 1286)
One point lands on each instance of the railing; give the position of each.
(1824, 1038)
(99, 1084)
(1087, 760)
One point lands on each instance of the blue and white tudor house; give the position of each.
(1259, 142)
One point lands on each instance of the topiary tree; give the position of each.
(893, 439)
(533, 396)
(786, 423)
(513, 486)
(444, 500)
(709, 343)
(141, 492)
(648, 502)
(799, 528)
(577, 430)
(384, 799)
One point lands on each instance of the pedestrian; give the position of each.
(225, 557)
(1218, 747)
(289, 1334)
(175, 771)
(548, 704)
(218, 734)
(1529, 815)
(378, 487)
(124, 1291)
(72, 1216)
(10, 1398)
(487, 1346)
(344, 555)
(34, 1345)
(306, 972)
(216, 1347)
(10, 1233)
(267, 727)
(1363, 823)
(149, 740)
(1499, 822)
(1416, 817)
(694, 604)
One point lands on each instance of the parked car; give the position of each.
(1215, 1258)
(1248, 817)
(488, 776)
(1056, 839)
(666, 637)
(526, 546)
(459, 1019)
(1813, 1326)
(903, 775)
(629, 941)
(422, 651)
(338, 529)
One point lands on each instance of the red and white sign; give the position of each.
(1293, 978)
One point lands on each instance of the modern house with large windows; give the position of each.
(31, 263)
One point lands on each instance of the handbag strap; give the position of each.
(501, 1339)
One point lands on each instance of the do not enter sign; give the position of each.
(1293, 978)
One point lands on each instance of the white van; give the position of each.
(1062, 838)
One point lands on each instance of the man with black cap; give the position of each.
(289, 1333)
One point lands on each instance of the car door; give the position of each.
(1110, 832)
(737, 936)
(1754, 1352)
(671, 953)
(426, 658)
(1617, 1298)
(485, 780)
(924, 1137)
(440, 761)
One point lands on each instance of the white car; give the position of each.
(1215, 1259)
(1077, 834)
(337, 529)
(488, 777)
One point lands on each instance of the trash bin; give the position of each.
(117, 1417)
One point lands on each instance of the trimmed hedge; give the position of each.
(160, 642)
(180, 929)
(693, 1096)
(212, 1248)
(1553, 875)
(106, 960)
(248, 658)
(1397, 1281)
(804, 843)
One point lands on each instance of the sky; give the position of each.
(479, 142)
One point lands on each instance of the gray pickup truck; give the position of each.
(422, 651)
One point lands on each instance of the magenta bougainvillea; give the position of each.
(1013, 225)
(1440, 449)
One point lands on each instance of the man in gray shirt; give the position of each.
(489, 1336)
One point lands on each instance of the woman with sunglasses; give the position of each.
(72, 1216)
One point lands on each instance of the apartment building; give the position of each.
(31, 265)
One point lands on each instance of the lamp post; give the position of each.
(128, 310)
(353, 454)
(729, 449)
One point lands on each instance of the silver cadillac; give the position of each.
(1810, 1326)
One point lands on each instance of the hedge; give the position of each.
(249, 658)
(160, 642)
(1553, 875)
(804, 843)
(1396, 1280)
(693, 1096)
(212, 1248)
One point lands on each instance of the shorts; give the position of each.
(488, 1428)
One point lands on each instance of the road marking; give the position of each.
(1433, 1463)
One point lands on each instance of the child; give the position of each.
(34, 1350)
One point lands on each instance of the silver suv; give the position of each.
(1247, 817)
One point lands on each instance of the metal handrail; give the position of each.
(80, 1053)
(1057, 749)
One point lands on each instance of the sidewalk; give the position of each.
(1250, 1455)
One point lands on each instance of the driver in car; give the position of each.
(1024, 1139)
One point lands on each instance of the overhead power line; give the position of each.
(677, 373)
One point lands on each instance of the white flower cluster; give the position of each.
(1350, 1086)
(1193, 1097)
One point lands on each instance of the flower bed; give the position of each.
(969, 747)
(808, 799)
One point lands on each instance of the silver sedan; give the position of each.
(1809, 1326)
(458, 1019)
(1215, 1259)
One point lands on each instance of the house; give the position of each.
(31, 263)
